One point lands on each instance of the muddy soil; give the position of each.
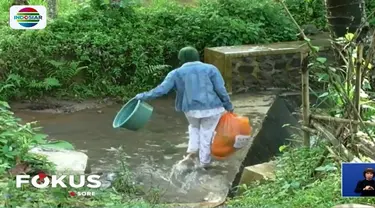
(55, 106)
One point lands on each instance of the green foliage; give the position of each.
(59, 198)
(294, 185)
(339, 82)
(309, 12)
(15, 139)
(104, 50)
(314, 12)
(370, 8)
(268, 15)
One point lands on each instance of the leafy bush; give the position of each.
(314, 12)
(16, 139)
(370, 8)
(270, 17)
(295, 187)
(101, 50)
(309, 12)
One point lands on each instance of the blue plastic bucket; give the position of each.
(133, 115)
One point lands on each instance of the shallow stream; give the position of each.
(150, 152)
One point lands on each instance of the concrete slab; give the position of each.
(271, 119)
(258, 172)
(215, 190)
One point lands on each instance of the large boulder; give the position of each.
(66, 161)
(353, 206)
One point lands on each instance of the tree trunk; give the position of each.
(52, 8)
(345, 16)
(20, 2)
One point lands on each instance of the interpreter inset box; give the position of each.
(357, 180)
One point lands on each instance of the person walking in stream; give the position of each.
(201, 95)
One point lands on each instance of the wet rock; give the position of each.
(212, 197)
(353, 206)
(66, 161)
(258, 172)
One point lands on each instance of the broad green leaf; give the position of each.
(315, 48)
(321, 60)
(282, 148)
(349, 36)
(58, 145)
(39, 138)
(4, 104)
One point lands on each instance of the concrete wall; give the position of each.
(265, 71)
(268, 137)
(261, 67)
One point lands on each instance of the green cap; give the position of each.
(188, 54)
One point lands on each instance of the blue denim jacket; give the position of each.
(198, 86)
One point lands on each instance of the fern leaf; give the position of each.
(51, 82)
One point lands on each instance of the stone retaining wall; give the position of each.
(260, 67)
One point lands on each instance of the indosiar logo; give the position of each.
(28, 17)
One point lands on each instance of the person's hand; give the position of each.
(140, 96)
(367, 188)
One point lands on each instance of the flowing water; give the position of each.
(152, 153)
